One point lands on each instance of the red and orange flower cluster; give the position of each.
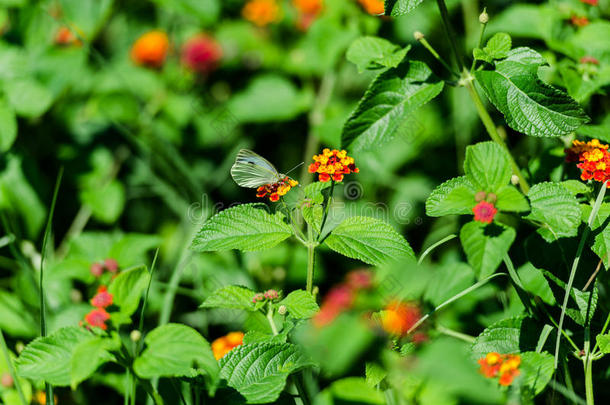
(98, 317)
(399, 317)
(200, 54)
(110, 265)
(593, 158)
(484, 212)
(261, 12)
(224, 344)
(373, 7)
(276, 190)
(308, 11)
(341, 297)
(504, 366)
(332, 164)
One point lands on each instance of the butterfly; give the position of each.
(251, 170)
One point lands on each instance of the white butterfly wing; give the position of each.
(252, 170)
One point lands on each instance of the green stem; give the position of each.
(326, 208)
(434, 246)
(492, 131)
(458, 335)
(442, 7)
(479, 44)
(11, 369)
(426, 44)
(589, 382)
(581, 246)
(311, 252)
(298, 383)
(603, 330)
(270, 319)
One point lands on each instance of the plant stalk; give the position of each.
(11, 369)
(442, 7)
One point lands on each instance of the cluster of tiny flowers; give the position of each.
(504, 366)
(341, 297)
(276, 190)
(590, 2)
(261, 12)
(399, 317)
(332, 164)
(373, 7)
(308, 11)
(224, 344)
(110, 265)
(65, 37)
(98, 316)
(267, 295)
(593, 158)
(200, 54)
(485, 211)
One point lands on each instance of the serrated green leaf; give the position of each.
(453, 197)
(259, 371)
(49, 358)
(246, 227)
(511, 335)
(300, 304)
(232, 296)
(578, 305)
(127, 289)
(8, 126)
(356, 390)
(603, 341)
(509, 199)
(370, 240)
(485, 245)
(487, 166)
(374, 374)
(576, 187)
(176, 350)
(529, 105)
(88, 356)
(556, 208)
(498, 46)
(392, 97)
(373, 53)
(397, 8)
(481, 54)
(537, 370)
(601, 231)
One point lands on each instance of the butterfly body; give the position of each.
(251, 170)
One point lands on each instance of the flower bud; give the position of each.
(282, 310)
(484, 17)
(514, 179)
(76, 296)
(480, 196)
(97, 269)
(135, 335)
(491, 198)
(418, 35)
(6, 380)
(19, 346)
(111, 265)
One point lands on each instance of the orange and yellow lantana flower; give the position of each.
(151, 49)
(593, 158)
(225, 344)
(504, 366)
(373, 7)
(276, 190)
(261, 12)
(332, 164)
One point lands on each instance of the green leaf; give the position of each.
(276, 99)
(373, 53)
(603, 341)
(29, 98)
(556, 208)
(537, 370)
(509, 199)
(259, 371)
(15, 318)
(374, 374)
(498, 46)
(246, 227)
(397, 8)
(576, 187)
(510, 335)
(369, 240)
(300, 304)
(106, 202)
(529, 105)
(204, 12)
(232, 296)
(453, 197)
(599, 226)
(127, 289)
(487, 166)
(356, 390)
(485, 245)
(49, 358)
(393, 97)
(480, 54)
(176, 350)
(87, 15)
(88, 356)
(8, 126)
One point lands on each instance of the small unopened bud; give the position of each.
(6, 381)
(271, 294)
(111, 265)
(76, 296)
(514, 179)
(282, 310)
(491, 198)
(19, 346)
(97, 269)
(484, 17)
(418, 35)
(135, 335)
(480, 196)
(258, 297)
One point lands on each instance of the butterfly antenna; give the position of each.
(291, 170)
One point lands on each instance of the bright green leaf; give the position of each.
(232, 296)
(29, 98)
(8, 126)
(246, 227)
(485, 245)
(397, 8)
(455, 196)
(372, 53)
(300, 304)
(487, 166)
(556, 208)
(368, 239)
(127, 289)
(511, 200)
